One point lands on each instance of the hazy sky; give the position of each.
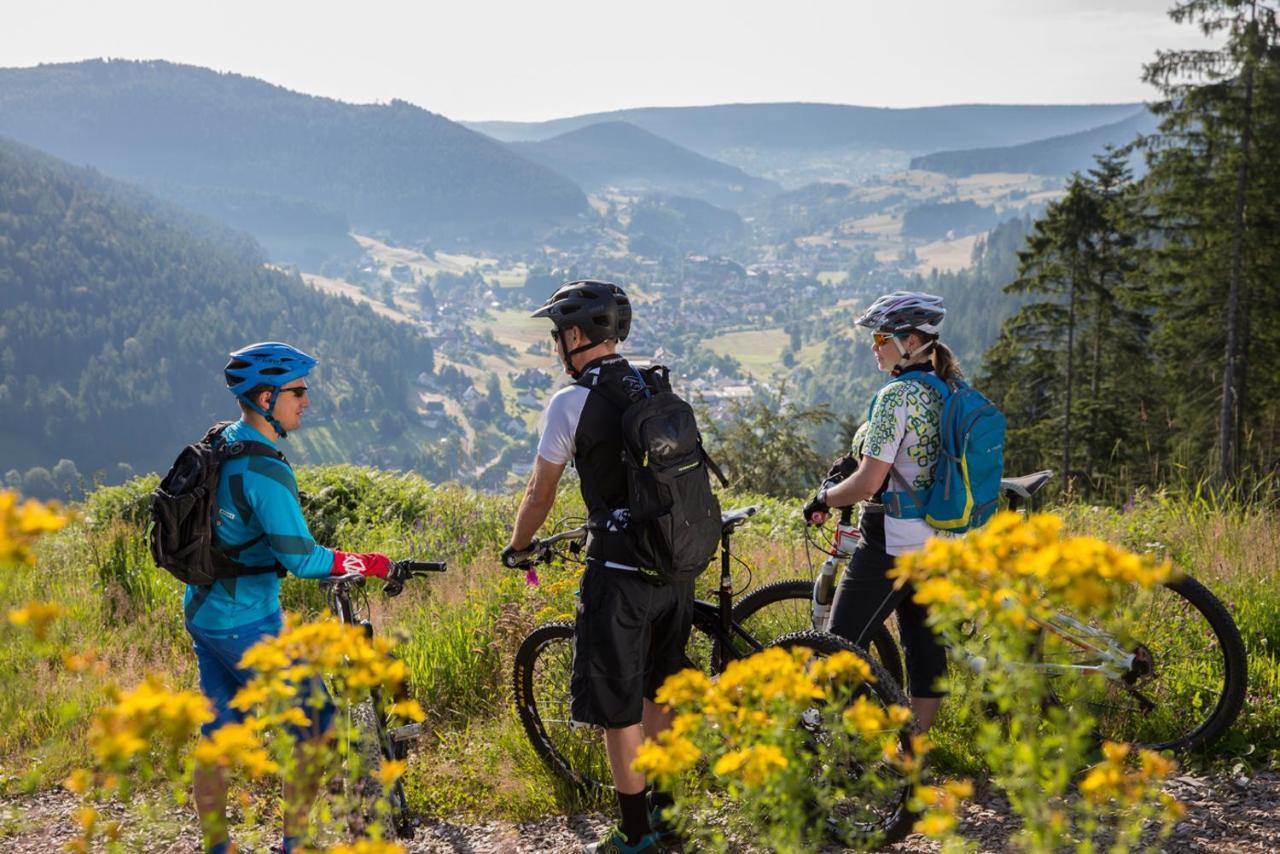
(537, 59)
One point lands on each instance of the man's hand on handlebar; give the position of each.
(514, 558)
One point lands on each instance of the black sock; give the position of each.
(659, 800)
(635, 816)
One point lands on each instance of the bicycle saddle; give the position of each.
(1027, 485)
(732, 519)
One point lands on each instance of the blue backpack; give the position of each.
(966, 477)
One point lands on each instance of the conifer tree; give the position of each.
(1213, 183)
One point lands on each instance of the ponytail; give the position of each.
(945, 364)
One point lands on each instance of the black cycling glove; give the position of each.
(814, 507)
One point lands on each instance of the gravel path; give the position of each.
(1222, 816)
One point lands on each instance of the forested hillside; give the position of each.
(243, 148)
(618, 154)
(118, 312)
(1059, 155)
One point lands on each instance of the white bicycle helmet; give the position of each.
(905, 311)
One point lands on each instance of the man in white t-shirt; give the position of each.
(631, 628)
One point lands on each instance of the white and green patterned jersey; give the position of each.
(903, 430)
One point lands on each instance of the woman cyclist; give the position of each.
(894, 450)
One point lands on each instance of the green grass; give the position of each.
(460, 631)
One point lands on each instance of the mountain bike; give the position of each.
(721, 633)
(1173, 677)
(368, 732)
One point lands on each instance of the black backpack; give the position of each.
(181, 534)
(674, 526)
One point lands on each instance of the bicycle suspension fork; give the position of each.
(724, 597)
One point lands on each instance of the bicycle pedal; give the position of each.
(408, 732)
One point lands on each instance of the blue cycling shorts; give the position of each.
(218, 654)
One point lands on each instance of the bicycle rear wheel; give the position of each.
(874, 810)
(787, 606)
(574, 752)
(1187, 683)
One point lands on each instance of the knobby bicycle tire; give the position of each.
(367, 731)
(784, 607)
(1194, 671)
(540, 681)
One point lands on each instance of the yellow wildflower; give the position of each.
(666, 758)
(78, 782)
(865, 717)
(753, 766)
(687, 686)
(20, 525)
(86, 816)
(407, 709)
(843, 667)
(367, 846)
(234, 744)
(389, 772)
(38, 615)
(936, 824)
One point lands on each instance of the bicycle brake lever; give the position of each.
(393, 588)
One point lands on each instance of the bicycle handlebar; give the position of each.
(419, 567)
(540, 551)
(393, 584)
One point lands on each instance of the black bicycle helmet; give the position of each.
(600, 309)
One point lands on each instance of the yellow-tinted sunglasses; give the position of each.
(882, 338)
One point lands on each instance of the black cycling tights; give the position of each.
(865, 599)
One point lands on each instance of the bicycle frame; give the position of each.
(715, 619)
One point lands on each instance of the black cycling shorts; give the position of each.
(629, 636)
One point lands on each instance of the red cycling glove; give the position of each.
(372, 564)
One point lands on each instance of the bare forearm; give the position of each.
(534, 508)
(539, 497)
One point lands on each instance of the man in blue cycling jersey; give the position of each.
(257, 522)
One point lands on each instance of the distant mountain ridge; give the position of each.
(619, 154)
(823, 126)
(393, 168)
(1058, 155)
(797, 143)
(118, 312)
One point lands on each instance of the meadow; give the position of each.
(458, 632)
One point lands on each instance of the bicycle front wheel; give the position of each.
(785, 607)
(574, 752)
(366, 747)
(1186, 684)
(872, 795)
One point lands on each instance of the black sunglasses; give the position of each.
(299, 391)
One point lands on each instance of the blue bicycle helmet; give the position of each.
(269, 363)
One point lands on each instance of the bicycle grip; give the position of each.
(417, 567)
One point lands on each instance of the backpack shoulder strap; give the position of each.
(252, 449)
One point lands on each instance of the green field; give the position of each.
(759, 350)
